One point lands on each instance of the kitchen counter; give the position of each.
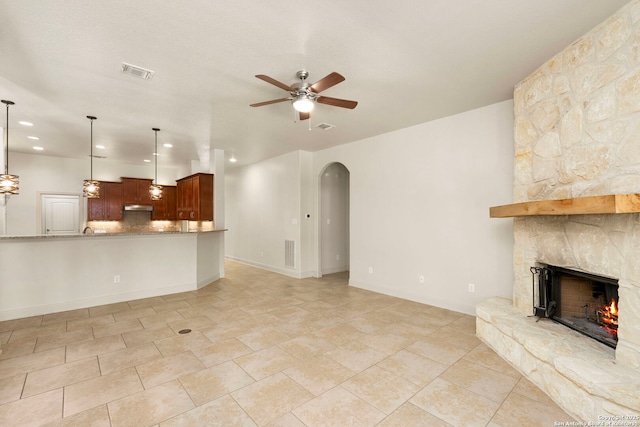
(79, 235)
(53, 273)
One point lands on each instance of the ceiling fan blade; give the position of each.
(273, 101)
(274, 82)
(304, 116)
(327, 82)
(336, 102)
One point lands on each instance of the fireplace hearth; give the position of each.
(584, 302)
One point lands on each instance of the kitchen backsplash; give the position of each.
(140, 222)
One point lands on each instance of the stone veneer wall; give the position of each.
(577, 133)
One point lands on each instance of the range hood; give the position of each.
(143, 208)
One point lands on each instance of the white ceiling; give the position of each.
(405, 62)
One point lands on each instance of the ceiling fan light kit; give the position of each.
(304, 96)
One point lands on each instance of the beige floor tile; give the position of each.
(4, 337)
(31, 362)
(263, 337)
(456, 337)
(356, 356)
(160, 319)
(60, 376)
(32, 411)
(466, 324)
(287, 420)
(306, 346)
(128, 357)
(417, 369)
(411, 415)
(381, 389)
(167, 369)
(267, 362)
(528, 389)
(142, 336)
(183, 342)
(340, 334)
(386, 343)
(48, 342)
(134, 313)
(221, 412)
(438, 350)
(102, 310)
(338, 407)
(319, 374)
(18, 348)
(26, 322)
(171, 306)
(485, 356)
(94, 417)
(209, 384)
(197, 323)
(65, 316)
(11, 388)
(38, 331)
(77, 351)
(478, 379)
(98, 391)
(521, 410)
(221, 352)
(117, 328)
(410, 331)
(151, 406)
(454, 404)
(146, 302)
(104, 320)
(258, 400)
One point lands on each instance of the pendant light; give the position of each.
(9, 184)
(91, 188)
(155, 190)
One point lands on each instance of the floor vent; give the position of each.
(289, 253)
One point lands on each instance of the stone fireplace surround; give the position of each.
(577, 133)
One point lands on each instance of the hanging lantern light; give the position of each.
(91, 188)
(155, 190)
(9, 184)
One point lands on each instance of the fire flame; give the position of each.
(608, 315)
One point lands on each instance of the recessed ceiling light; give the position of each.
(25, 123)
(33, 137)
(38, 148)
(167, 145)
(102, 147)
(155, 154)
(147, 161)
(233, 159)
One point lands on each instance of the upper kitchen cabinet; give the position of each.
(165, 208)
(109, 206)
(135, 191)
(195, 197)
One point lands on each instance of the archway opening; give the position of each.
(334, 219)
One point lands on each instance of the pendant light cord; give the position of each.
(155, 154)
(91, 118)
(6, 157)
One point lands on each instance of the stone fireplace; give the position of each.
(577, 134)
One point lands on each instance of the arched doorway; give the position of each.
(334, 219)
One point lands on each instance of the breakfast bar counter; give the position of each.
(52, 273)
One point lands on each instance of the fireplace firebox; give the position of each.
(584, 302)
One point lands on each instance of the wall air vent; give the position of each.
(136, 71)
(324, 126)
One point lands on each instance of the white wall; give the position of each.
(263, 209)
(419, 205)
(40, 173)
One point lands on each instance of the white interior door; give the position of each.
(61, 214)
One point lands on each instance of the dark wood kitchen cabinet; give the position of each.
(109, 206)
(135, 191)
(195, 197)
(165, 209)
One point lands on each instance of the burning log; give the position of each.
(608, 317)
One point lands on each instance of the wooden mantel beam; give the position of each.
(611, 204)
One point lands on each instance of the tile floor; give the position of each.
(264, 350)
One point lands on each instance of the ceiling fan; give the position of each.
(304, 96)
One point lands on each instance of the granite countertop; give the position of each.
(82, 236)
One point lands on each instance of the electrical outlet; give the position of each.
(370, 270)
(116, 278)
(421, 279)
(472, 287)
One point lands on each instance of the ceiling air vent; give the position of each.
(325, 126)
(136, 71)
